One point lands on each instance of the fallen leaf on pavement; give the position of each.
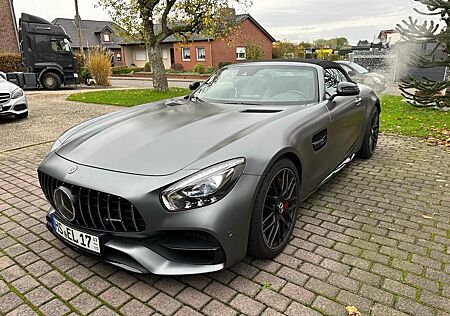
(352, 311)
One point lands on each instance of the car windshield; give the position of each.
(358, 68)
(261, 85)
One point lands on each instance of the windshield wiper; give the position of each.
(241, 103)
(196, 99)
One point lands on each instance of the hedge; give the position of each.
(10, 62)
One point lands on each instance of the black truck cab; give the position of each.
(46, 52)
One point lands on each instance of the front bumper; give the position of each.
(14, 106)
(159, 249)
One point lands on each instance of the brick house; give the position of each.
(95, 33)
(8, 30)
(206, 50)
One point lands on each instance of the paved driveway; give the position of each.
(376, 237)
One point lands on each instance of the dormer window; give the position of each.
(106, 37)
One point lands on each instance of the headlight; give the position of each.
(17, 94)
(204, 187)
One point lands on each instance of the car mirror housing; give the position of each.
(194, 85)
(347, 89)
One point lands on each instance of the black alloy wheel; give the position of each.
(275, 210)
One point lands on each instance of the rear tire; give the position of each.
(21, 116)
(275, 211)
(370, 140)
(51, 81)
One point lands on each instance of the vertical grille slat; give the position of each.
(115, 214)
(109, 214)
(120, 214)
(80, 206)
(133, 218)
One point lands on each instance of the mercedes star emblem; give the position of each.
(65, 202)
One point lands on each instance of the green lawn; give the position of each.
(129, 97)
(399, 117)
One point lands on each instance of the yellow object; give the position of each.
(352, 311)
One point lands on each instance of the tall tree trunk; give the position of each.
(159, 72)
(78, 26)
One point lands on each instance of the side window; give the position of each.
(60, 45)
(333, 77)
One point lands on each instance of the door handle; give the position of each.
(358, 100)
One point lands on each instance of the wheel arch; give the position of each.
(55, 70)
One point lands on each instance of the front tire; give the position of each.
(370, 140)
(51, 81)
(275, 211)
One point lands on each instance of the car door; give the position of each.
(347, 115)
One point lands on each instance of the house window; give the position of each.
(106, 37)
(186, 54)
(119, 57)
(201, 53)
(140, 54)
(240, 53)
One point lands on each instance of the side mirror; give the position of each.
(351, 73)
(194, 85)
(345, 89)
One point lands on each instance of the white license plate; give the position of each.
(81, 239)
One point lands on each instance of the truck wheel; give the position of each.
(51, 81)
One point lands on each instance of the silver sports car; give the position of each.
(192, 185)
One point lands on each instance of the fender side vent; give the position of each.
(261, 111)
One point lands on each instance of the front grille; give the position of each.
(4, 97)
(95, 209)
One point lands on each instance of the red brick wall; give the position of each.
(225, 49)
(246, 33)
(8, 42)
(188, 65)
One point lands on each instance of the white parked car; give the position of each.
(12, 99)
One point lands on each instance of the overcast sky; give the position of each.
(294, 20)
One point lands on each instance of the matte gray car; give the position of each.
(192, 185)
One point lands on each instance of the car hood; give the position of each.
(7, 87)
(161, 139)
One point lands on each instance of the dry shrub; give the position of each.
(10, 62)
(99, 64)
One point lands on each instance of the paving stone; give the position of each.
(381, 310)
(245, 286)
(164, 304)
(54, 308)
(351, 299)
(292, 275)
(296, 309)
(329, 307)
(39, 296)
(246, 305)
(215, 308)
(343, 282)
(220, 291)
(265, 278)
(400, 288)
(85, 303)
(413, 308)
(134, 307)
(273, 299)
(321, 287)
(193, 297)
(8, 302)
(142, 291)
(22, 310)
(67, 290)
(96, 284)
(169, 285)
(115, 296)
(377, 295)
